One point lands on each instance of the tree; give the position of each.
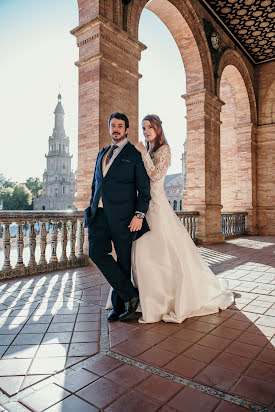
(34, 185)
(18, 197)
(4, 183)
(2, 180)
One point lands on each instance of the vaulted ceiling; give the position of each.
(250, 22)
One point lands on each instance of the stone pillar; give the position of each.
(246, 166)
(265, 179)
(203, 183)
(108, 82)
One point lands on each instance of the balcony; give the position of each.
(59, 353)
(53, 237)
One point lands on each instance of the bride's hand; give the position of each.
(140, 147)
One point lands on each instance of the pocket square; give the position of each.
(126, 160)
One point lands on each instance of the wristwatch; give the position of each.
(139, 215)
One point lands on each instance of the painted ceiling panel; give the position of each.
(250, 22)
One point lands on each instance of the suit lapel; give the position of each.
(103, 151)
(116, 160)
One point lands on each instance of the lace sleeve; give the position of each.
(157, 167)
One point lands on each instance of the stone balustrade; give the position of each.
(189, 221)
(66, 233)
(233, 223)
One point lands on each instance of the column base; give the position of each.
(211, 239)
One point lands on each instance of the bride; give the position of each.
(173, 280)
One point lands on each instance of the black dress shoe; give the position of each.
(131, 307)
(113, 315)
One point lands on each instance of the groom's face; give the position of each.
(117, 130)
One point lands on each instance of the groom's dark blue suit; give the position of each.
(124, 190)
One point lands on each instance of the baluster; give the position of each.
(53, 257)
(193, 228)
(183, 221)
(80, 239)
(6, 246)
(43, 244)
(237, 224)
(32, 243)
(227, 225)
(188, 224)
(20, 245)
(64, 241)
(228, 229)
(72, 256)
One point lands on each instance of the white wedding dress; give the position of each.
(174, 281)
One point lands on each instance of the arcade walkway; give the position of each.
(58, 352)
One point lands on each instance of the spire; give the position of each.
(59, 113)
(59, 107)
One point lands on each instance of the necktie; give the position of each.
(110, 153)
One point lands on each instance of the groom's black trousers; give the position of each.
(118, 273)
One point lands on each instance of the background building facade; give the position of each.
(174, 185)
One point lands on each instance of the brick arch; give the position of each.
(188, 33)
(238, 168)
(235, 69)
(267, 112)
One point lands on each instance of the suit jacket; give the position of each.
(124, 190)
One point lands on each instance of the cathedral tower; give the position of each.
(59, 182)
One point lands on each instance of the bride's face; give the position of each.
(148, 131)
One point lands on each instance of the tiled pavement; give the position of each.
(58, 352)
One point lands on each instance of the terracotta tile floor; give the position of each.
(58, 353)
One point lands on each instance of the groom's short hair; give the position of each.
(120, 116)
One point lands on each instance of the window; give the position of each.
(175, 205)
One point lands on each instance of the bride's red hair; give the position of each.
(156, 123)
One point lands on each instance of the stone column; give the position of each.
(246, 163)
(108, 82)
(265, 179)
(203, 183)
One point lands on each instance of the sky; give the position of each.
(37, 60)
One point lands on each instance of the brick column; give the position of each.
(246, 173)
(108, 82)
(265, 179)
(203, 183)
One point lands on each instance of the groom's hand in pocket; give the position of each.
(135, 224)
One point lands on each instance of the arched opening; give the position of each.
(235, 162)
(188, 33)
(175, 205)
(162, 85)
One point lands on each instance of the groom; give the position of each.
(119, 201)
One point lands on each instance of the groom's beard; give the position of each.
(116, 137)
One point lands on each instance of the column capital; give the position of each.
(100, 40)
(100, 23)
(203, 103)
(202, 96)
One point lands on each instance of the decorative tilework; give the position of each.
(251, 22)
(187, 382)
